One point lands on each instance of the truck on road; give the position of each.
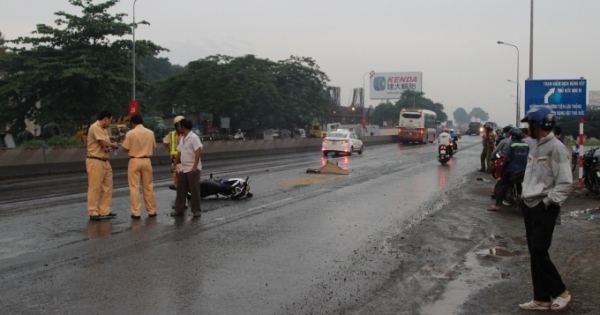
(474, 129)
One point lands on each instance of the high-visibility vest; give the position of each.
(173, 143)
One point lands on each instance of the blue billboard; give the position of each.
(563, 97)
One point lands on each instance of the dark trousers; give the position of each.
(188, 182)
(539, 226)
(501, 191)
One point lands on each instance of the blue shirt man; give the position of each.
(517, 154)
(515, 160)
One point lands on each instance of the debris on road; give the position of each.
(329, 168)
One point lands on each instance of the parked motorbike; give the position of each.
(591, 171)
(232, 188)
(498, 161)
(514, 189)
(444, 154)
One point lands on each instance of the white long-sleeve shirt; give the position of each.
(444, 138)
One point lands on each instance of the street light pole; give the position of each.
(134, 26)
(364, 93)
(518, 88)
(531, 43)
(520, 91)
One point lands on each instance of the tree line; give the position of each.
(82, 65)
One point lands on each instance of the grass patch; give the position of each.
(52, 142)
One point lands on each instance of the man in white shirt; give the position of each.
(444, 139)
(189, 151)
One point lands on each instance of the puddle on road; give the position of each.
(305, 181)
(519, 241)
(494, 251)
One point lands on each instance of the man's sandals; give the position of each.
(558, 304)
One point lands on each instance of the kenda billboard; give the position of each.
(390, 85)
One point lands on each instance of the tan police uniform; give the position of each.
(172, 147)
(100, 174)
(489, 147)
(140, 145)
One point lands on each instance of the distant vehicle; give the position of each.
(315, 131)
(300, 133)
(475, 129)
(417, 125)
(341, 141)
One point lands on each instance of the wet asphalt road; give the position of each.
(299, 246)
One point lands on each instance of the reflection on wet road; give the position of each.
(301, 237)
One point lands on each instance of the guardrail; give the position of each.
(18, 162)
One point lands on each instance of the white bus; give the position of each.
(417, 125)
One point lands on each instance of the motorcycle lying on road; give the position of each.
(231, 188)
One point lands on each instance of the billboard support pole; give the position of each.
(580, 162)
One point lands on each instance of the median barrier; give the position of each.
(65, 159)
(375, 140)
(283, 146)
(17, 162)
(161, 156)
(54, 160)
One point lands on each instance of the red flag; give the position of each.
(133, 108)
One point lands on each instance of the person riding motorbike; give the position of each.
(454, 139)
(444, 140)
(515, 160)
(503, 144)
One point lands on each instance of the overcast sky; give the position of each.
(453, 43)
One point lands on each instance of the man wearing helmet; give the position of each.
(171, 141)
(489, 139)
(548, 179)
(504, 143)
(515, 160)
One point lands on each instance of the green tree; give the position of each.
(74, 69)
(385, 112)
(570, 125)
(461, 116)
(480, 114)
(250, 89)
(155, 71)
(3, 48)
(302, 85)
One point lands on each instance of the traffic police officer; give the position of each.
(489, 142)
(100, 174)
(171, 141)
(140, 144)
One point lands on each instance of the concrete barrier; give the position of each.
(55, 160)
(375, 140)
(18, 162)
(65, 159)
